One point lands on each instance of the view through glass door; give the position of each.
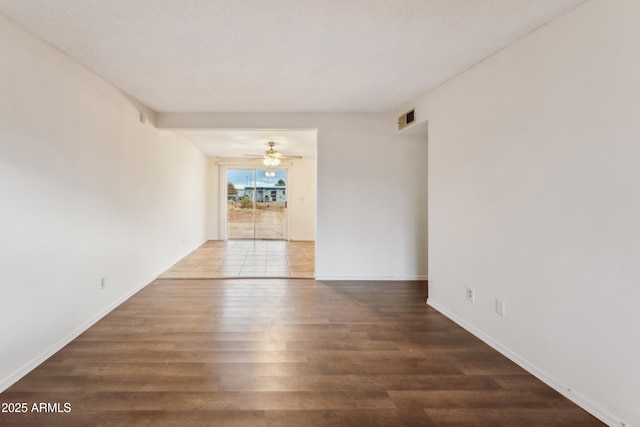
(256, 203)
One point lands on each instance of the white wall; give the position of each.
(301, 199)
(372, 201)
(371, 190)
(534, 198)
(86, 191)
(213, 201)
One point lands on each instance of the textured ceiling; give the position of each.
(280, 55)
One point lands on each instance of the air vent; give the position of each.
(406, 119)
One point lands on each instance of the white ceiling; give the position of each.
(280, 55)
(294, 56)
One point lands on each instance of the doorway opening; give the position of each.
(273, 235)
(256, 204)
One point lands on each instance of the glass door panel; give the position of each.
(256, 204)
(241, 184)
(271, 204)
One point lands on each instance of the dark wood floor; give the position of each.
(284, 353)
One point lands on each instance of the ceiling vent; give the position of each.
(406, 119)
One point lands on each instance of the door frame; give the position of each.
(222, 192)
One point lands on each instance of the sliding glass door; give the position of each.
(256, 204)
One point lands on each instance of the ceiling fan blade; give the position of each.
(272, 154)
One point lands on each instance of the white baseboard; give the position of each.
(7, 382)
(579, 399)
(36, 361)
(372, 278)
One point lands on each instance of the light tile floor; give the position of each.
(246, 258)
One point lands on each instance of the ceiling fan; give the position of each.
(272, 157)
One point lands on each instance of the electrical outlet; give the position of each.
(501, 307)
(103, 283)
(471, 294)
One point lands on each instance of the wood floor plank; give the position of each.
(274, 352)
(357, 383)
(521, 417)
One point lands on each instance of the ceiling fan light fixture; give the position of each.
(272, 157)
(271, 161)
